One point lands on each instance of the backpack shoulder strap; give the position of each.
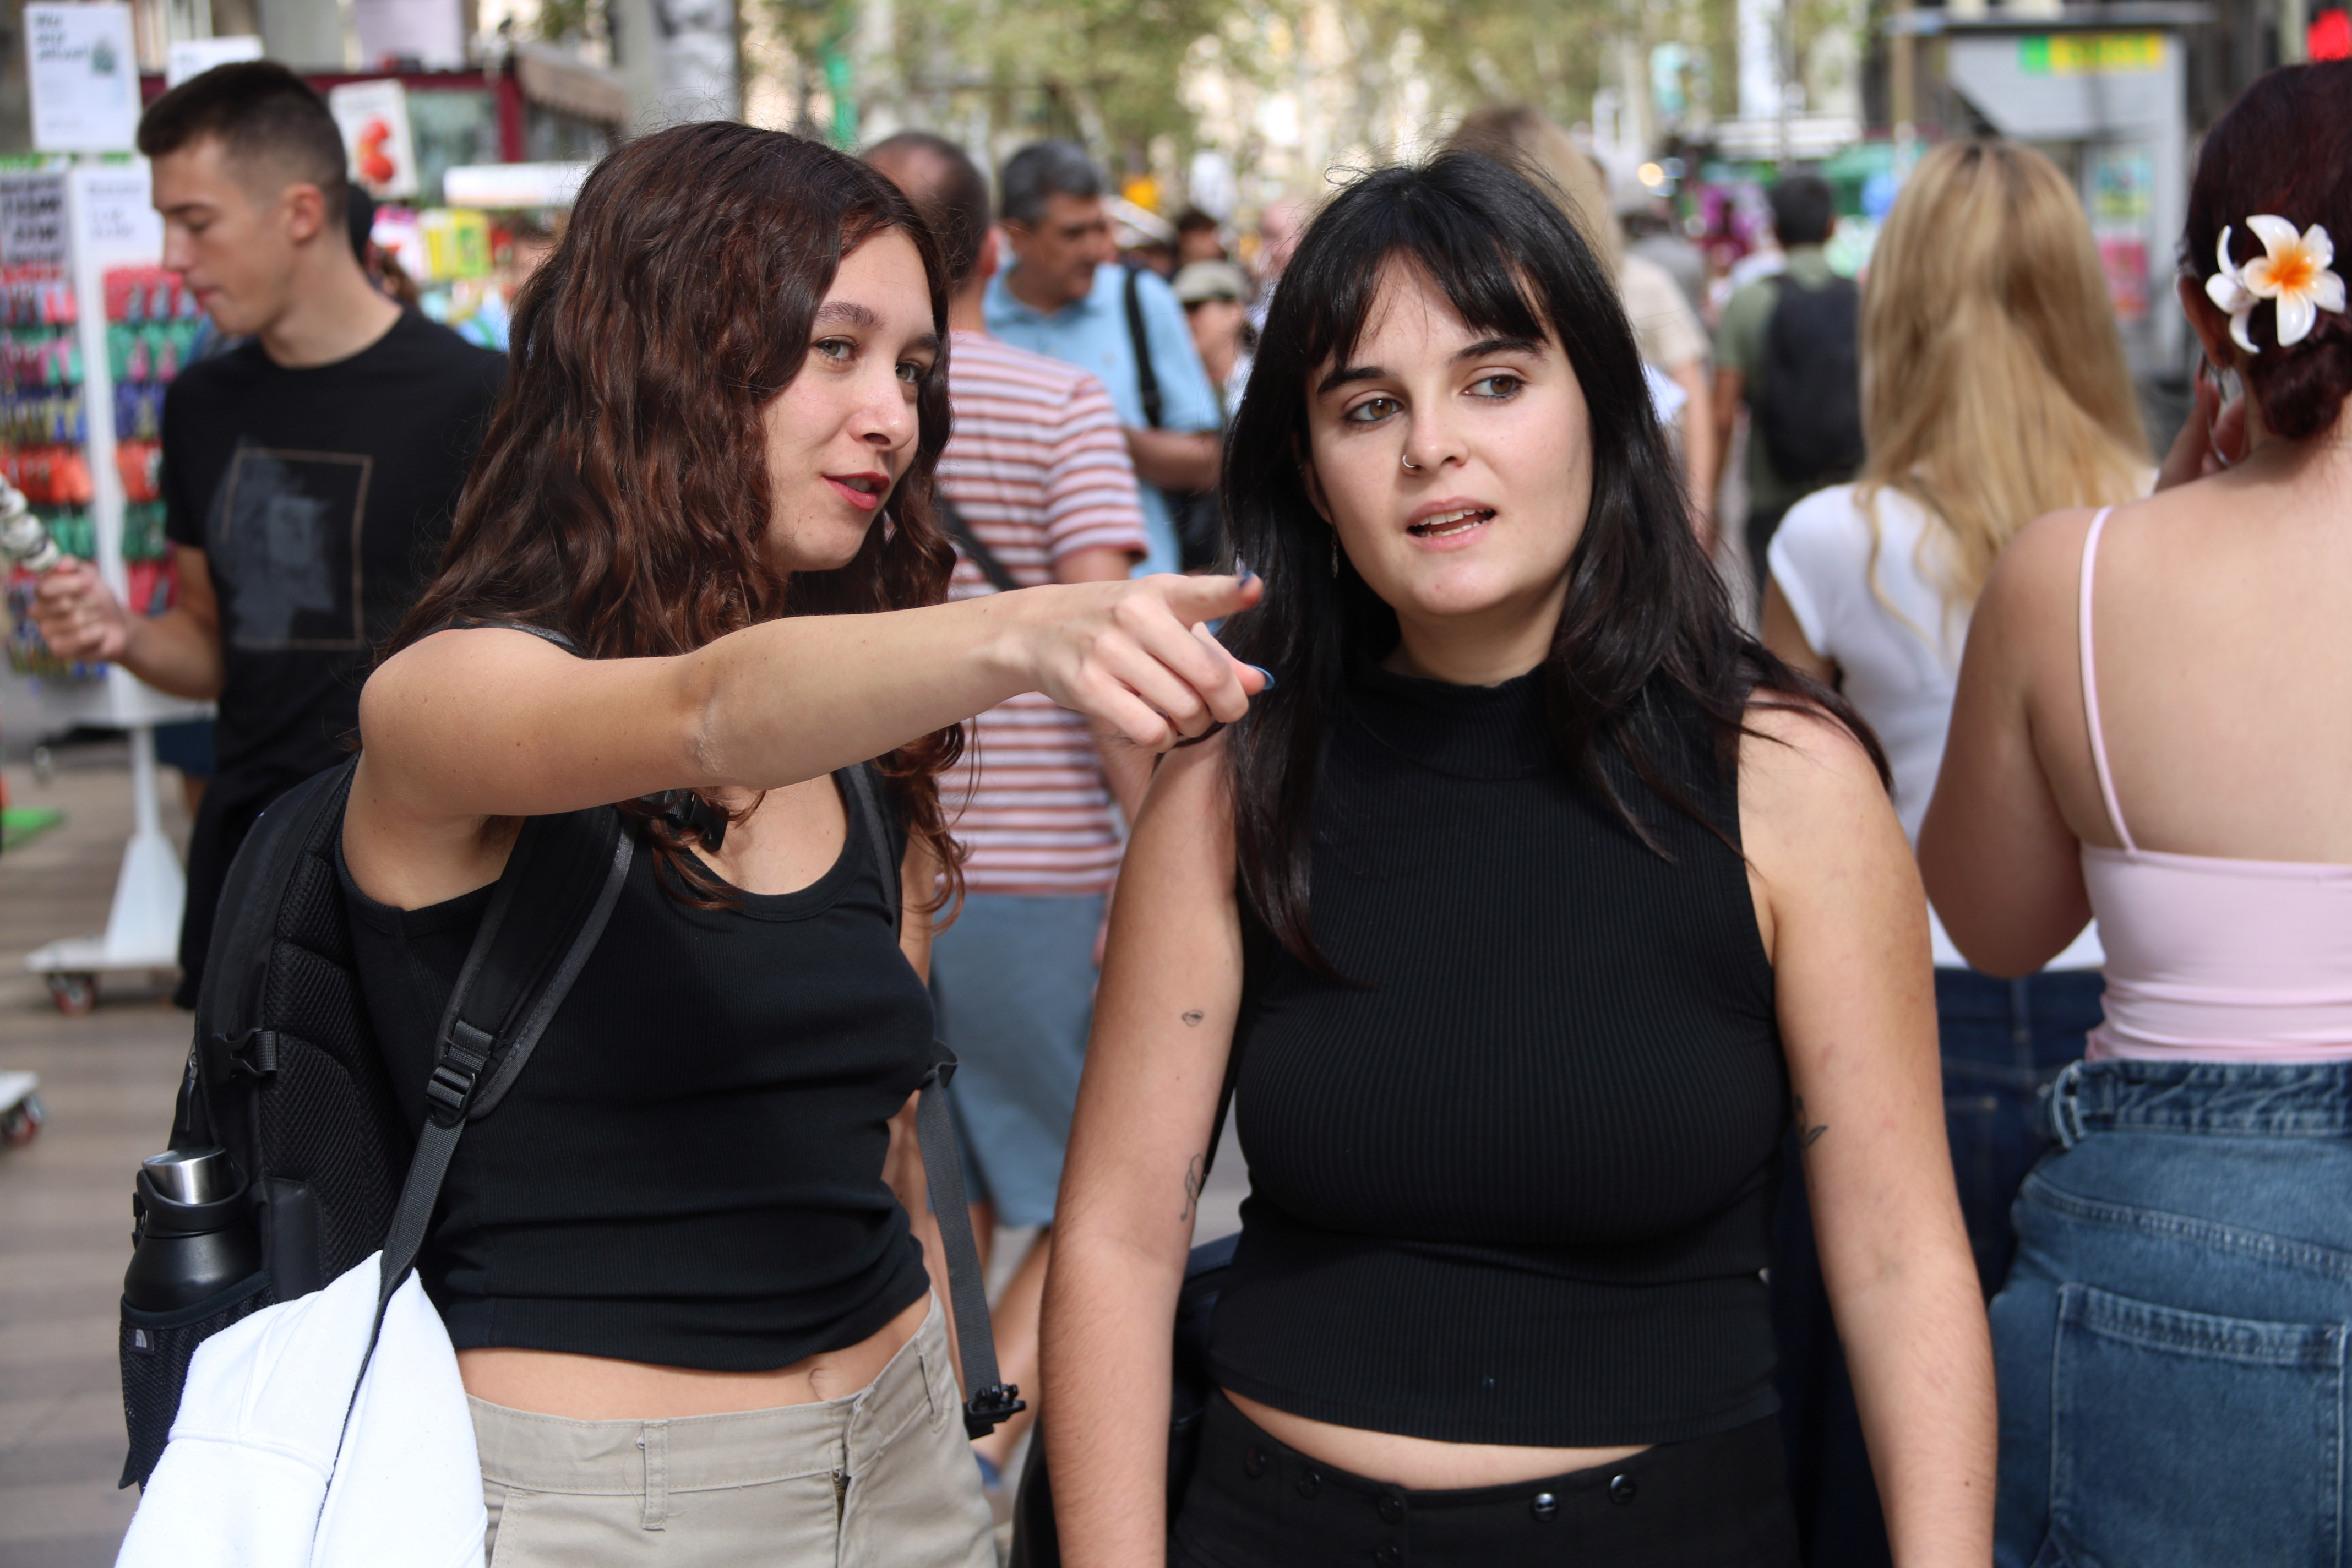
(1146, 375)
(561, 883)
(975, 549)
(988, 1400)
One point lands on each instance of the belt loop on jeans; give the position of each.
(2062, 1107)
(653, 1440)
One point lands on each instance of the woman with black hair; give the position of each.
(1530, 892)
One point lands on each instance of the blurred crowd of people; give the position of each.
(1840, 1059)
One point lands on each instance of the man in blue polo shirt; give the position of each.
(1067, 298)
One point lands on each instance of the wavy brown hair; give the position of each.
(621, 495)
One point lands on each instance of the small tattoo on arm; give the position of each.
(1193, 1017)
(1807, 1136)
(1195, 1179)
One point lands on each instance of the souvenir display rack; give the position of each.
(95, 330)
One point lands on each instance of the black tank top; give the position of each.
(1519, 1186)
(689, 1172)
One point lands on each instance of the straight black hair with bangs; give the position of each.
(1648, 632)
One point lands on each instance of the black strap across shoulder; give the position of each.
(975, 548)
(988, 1400)
(551, 903)
(1146, 375)
(561, 883)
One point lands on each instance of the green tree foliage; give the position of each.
(1106, 73)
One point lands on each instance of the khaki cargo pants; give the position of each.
(883, 1479)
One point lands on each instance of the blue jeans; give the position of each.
(2171, 1343)
(2001, 1041)
(1013, 981)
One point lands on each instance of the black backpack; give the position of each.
(286, 1076)
(1809, 404)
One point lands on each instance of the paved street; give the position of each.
(65, 1200)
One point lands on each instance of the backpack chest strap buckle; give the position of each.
(450, 1090)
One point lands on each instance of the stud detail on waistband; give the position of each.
(1621, 1489)
(1544, 1506)
(1254, 1463)
(1310, 1481)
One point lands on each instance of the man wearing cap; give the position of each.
(1215, 296)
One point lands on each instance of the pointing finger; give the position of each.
(1197, 599)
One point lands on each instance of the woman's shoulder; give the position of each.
(1803, 768)
(2038, 578)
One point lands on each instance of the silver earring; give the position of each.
(1335, 554)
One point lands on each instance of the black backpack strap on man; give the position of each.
(1146, 375)
(987, 1400)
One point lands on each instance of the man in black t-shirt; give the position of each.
(309, 474)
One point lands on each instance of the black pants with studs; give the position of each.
(1711, 1502)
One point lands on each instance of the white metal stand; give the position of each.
(142, 929)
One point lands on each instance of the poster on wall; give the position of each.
(409, 33)
(32, 218)
(118, 223)
(374, 117)
(2122, 185)
(84, 77)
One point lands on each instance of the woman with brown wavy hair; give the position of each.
(697, 575)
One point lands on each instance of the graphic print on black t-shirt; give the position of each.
(286, 544)
(320, 495)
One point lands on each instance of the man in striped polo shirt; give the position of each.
(1039, 478)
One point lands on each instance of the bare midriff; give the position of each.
(598, 1388)
(1422, 1464)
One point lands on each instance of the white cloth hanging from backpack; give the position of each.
(252, 1479)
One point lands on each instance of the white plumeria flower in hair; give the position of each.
(2292, 272)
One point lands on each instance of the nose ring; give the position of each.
(1411, 464)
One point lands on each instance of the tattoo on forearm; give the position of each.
(1807, 1136)
(1193, 1017)
(1194, 1178)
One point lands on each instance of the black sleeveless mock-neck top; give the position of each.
(689, 1170)
(1517, 1185)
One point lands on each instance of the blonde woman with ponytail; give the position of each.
(1994, 391)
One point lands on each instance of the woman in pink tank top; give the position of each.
(2154, 724)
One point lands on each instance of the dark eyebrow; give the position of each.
(1485, 346)
(850, 313)
(846, 313)
(1349, 374)
(1346, 374)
